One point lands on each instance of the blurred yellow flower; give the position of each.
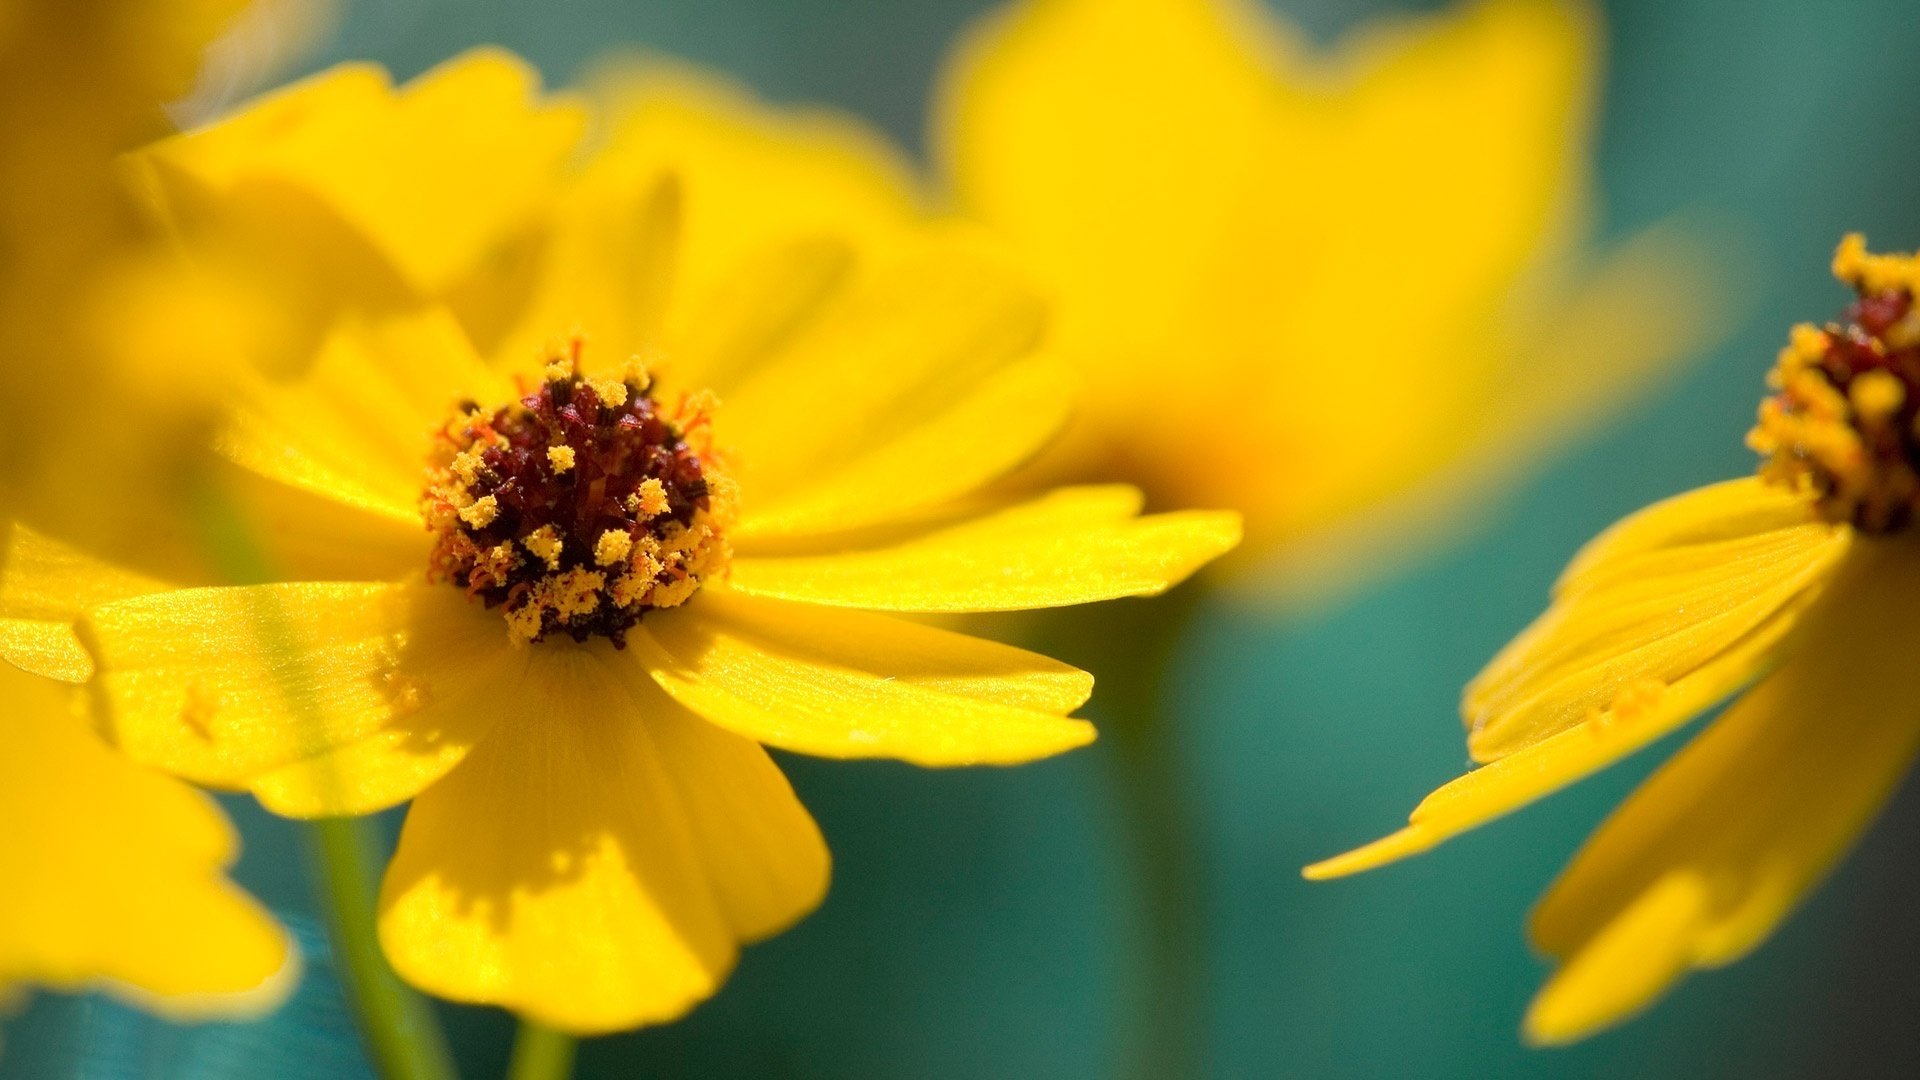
(1338, 292)
(113, 871)
(1802, 582)
(622, 589)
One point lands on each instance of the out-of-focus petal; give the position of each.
(1700, 865)
(114, 875)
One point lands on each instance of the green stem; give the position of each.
(1130, 646)
(402, 1035)
(541, 1053)
(398, 1026)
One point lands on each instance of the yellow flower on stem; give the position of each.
(1801, 584)
(1337, 291)
(1343, 291)
(571, 594)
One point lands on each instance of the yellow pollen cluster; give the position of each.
(1843, 424)
(581, 506)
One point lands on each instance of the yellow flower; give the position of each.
(1802, 582)
(1337, 292)
(113, 872)
(624, 585)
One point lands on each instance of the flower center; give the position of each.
(1844, 422)
(580, 507)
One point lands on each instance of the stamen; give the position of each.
(580, 507)
(1844, 423)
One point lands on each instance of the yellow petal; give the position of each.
(1073, 546)
(322, 698)
(762, 853)
(1627, 965)
(594, 862)
(1685, 603)
(431, 175)
(1112, 141)
(1601, 341)
(756, 308)
(603, 268)
(114, 875)
(1147, 157)
(922, 341)
(933, 456)
(849, 685)
(753, 175)
(1656, 597)
(357, 427)
(44, 586)
(1725, 840)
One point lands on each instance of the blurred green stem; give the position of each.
(1131, 646)
(402, 1035)
(541, 1053)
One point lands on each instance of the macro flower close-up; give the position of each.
(1800, 583)
(560, 602)
(797, 539)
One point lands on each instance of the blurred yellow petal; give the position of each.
(431, 174)
(1663, 616)
(1726, 839)
(955, 445)
(563, 871)
(1073, 546)
(115, 875)
(322, 698)
(1339, 292)
(1115, 143)
(753, 175)
(848, 685)
(907, 346)
(44, 586)
(358, 427)
(1583, 351)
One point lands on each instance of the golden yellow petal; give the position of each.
(762, 853)
(594, 862)
(753, 175)
(1661, 617)
(1114, 143)
(44, 587)
(1073, 546)
(1707, 858)
(114, 875)
(1557, 761)
(357, 427)
(1653, 599)
(431, 175)
(849, 685)
(937, 454)
(321, 698)
(911, 342)
(1145, 156)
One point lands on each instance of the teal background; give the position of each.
(973, 925)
